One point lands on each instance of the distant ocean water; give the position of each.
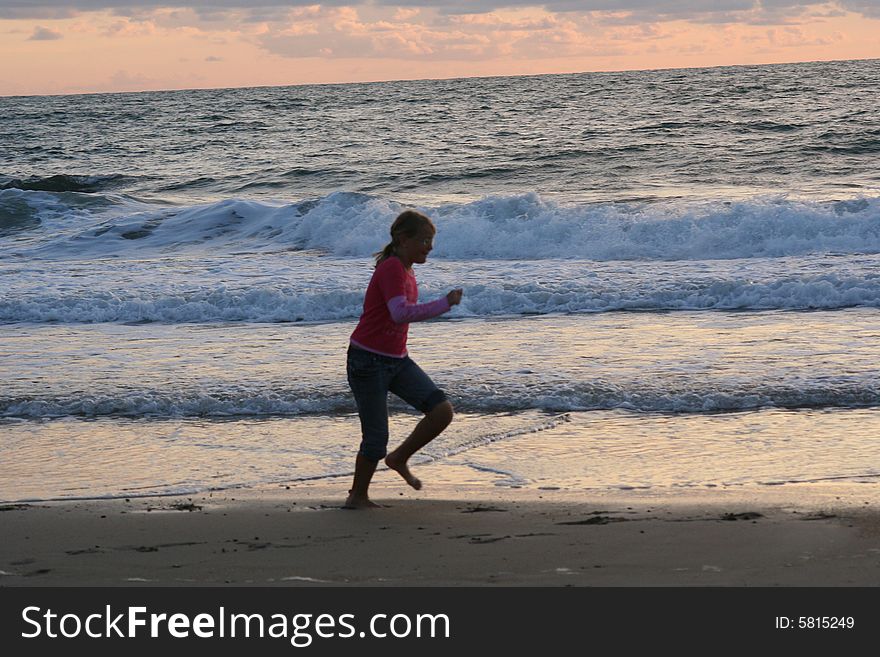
(180, 270)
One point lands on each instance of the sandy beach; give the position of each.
(794, 535)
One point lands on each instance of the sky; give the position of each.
(85, 46)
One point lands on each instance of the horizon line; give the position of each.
(459, 77)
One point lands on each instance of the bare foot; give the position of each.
(400, 467)
(353, 502)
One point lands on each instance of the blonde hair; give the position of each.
(407, 224)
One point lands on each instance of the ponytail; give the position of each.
(384, 254)
(407, 224)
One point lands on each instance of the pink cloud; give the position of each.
(45, 34)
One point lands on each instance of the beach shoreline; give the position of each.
(819, 534)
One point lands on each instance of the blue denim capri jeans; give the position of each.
(371, 377)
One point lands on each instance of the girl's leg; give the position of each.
(418, 390)
(358, 497)
(428, 428)
(368, 382)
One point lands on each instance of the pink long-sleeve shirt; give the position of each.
(390, 304)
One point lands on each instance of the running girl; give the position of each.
(378, 360)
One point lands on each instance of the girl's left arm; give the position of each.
(403, 312)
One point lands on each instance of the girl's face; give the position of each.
(415, 250)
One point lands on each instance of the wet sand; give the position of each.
(794, 535)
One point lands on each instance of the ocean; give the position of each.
(671, 279)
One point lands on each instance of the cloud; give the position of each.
(21, 9)
(344, 33)
(463, 6)
(127, 28)
(451, 30)
(125, 79)
(35, 13)
(210, 15)
(869, 8)
(704, 11)
(45, 34)
(438, 29)
(720, 12)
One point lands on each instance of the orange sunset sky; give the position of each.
(57, 47)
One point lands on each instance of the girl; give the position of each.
(378, 360)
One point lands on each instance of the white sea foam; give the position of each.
(519, 227)
(473, 395)
(334, 292)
